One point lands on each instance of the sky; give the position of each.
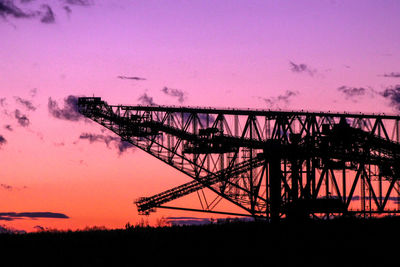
(61, 172)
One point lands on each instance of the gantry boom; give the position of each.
(268, 163)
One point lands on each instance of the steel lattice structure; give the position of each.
(268, 163)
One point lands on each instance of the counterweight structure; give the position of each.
(268, 163)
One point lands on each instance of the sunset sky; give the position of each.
(311, 55)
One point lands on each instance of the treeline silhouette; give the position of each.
(336, 242)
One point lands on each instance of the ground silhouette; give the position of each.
(337, 242)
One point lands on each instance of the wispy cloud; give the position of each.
(131, 78)
(8, 127)
(393, 95)
(48, 15)
(187, 220)
(79, 2)
(33, 92)
(174, 93)
(6, 187)
(146, 100)
(283, 99)
(392, 75)
(22, 119)
(356, 93)
(109, 140)
(352, 91)
(11, 188)
(11, 216)
(68, 10)
(8, 8)
(25, 103)
(43, 10)
(3, 141)
(3, 102)
(301, 68)
(68, 112)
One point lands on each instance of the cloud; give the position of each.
(79, 2)
(131, 78)
(392, 75)
(275, 102)
(187, 221)
(10, 216)
(175, 93)
(3, 141)
(26, 103)
(3, 102)
(6, 187)
(33, 92)
(68, 10)
(22, 119)
(68, 112)
(48, 16)
(107, 139)
(146, 100)
(350, 92)
(122, 146)
(393, 94)
(26, 1)
(7, 8)
(8, 127)
(11, 188)
(45, 12)
(301, 68)
(59, 144)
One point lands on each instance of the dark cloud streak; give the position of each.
(283, 98)
(3, 141)
(68, 10)
(79, 2)
(393, 94)
(8, 127)
(3, 102)
(26, 103)
(187, 221)
(48, 16)
(301, 68)
(7, 8)
(22, 119)
(392, 75)
(174, 93)
(146, 100)
(6, 187)
(351, 92)
(122, 146)
(68, 112)
(10, 216)
(131, 78)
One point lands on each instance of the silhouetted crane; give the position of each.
(268, 163)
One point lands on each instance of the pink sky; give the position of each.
(217, 53)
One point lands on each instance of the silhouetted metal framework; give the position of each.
(268, 163)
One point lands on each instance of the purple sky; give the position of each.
(311, 55)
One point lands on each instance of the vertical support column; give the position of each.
(327, 193)
(295, 177)
(363, 193)
(344, 184)
(251, 178)
(169, 137)
(275, 181)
